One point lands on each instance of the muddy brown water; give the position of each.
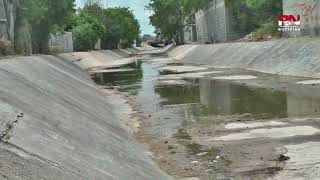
(176, 105)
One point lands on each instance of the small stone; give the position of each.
(166, 142)
(214, 161)
(195, 162)
(283, 158)
(217, 157)
(202, 153)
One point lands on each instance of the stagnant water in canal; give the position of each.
(199, 100)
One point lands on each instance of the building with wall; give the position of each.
(61, 42)
(214, 24)
(309, 11)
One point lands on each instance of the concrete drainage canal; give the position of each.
(209, 123)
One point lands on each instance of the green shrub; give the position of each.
(87, 30)
(266, 29)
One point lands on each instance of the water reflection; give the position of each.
(179, 94)
(225, 98)
(126, 80)
(303, 101)
(174, 105)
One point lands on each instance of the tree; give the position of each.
(168, 17)
(122, 28)
(45, 16)
(93, 7)
(171, 16)
(255, 15)
(87, 30)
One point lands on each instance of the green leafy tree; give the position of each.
(255, 15)
(45, 16)
(168, 18)
(171, 16)
(122, 28)
(87, 30)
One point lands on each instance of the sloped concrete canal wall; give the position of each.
(297, 57)
(69, 130)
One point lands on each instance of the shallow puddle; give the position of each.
(204, 98)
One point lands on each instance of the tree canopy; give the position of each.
(121, 26)
(171, 16)
(256, 15)
(87, 30)
(45, 16)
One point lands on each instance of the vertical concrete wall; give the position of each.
(97, 46)
(190, 34)
(7, 21)
(309, 10)
(202, 28)
(61, 42)
(214, 24)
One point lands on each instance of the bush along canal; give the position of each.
(211, 123)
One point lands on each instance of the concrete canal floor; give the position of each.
(206, 123)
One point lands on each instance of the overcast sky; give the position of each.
(138, 7)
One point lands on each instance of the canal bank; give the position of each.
(57, 124)
(294, 57)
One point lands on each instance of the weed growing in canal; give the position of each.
(182, 134)
(7, 133)
(194, 148)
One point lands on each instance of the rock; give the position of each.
(195, 162)
(202, 153)
(283, 158)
